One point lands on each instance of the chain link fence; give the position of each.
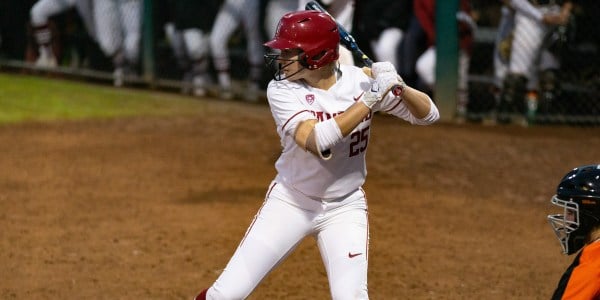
(562, 77)
(165, 43)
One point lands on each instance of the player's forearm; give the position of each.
(305, 136)
(417, 102)
(353, 116)
(309, 137)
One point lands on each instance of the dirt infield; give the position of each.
(152, 208)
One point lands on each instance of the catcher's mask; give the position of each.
(579, 195)
(314, 34)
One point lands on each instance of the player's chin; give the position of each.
(293, 75)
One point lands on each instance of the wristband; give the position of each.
(327, 134)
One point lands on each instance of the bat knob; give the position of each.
(397, 90)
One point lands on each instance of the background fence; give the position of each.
(575, 45)
(149, 58)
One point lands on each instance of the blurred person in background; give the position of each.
(118, 30)
(413, 44)
(188, 34)
(274, 10)
(381, 24)
(231, 15)
(578, 228)
(44, 46)
(523, 66)
(426, 63)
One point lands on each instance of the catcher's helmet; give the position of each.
(578, 193)
(314, 33)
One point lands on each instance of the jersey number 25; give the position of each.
(359, 141)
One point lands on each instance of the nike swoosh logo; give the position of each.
(356, 98)
(351, 255)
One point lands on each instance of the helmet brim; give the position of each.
(280, 44)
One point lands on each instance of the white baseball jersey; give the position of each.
(345, 172)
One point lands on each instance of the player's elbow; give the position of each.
(305, 136)
(431, 117)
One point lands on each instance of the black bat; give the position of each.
(348, 41)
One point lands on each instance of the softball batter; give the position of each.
(323, 112)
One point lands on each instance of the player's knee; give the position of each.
(196, 43)
(108, 46)
(218, 43)
(132, 47)
(37, 15)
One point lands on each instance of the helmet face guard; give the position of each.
(277, 64)
(565, 224)
(314, 33)
(578, 194)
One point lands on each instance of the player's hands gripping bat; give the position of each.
(348, 41)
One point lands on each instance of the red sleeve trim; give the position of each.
(399, 101)
(286, 122)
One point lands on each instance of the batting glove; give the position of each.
(372, 96)
(387, 77)
(382, 67)
(388, 81)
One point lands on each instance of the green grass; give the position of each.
(31, 98)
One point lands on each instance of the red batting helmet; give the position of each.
(313, 32)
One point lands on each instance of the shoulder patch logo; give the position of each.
(310, 98)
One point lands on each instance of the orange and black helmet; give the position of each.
(578, 193)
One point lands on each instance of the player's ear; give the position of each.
(303, 60)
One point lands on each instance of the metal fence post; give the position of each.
(148, 42)
(446, 71)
